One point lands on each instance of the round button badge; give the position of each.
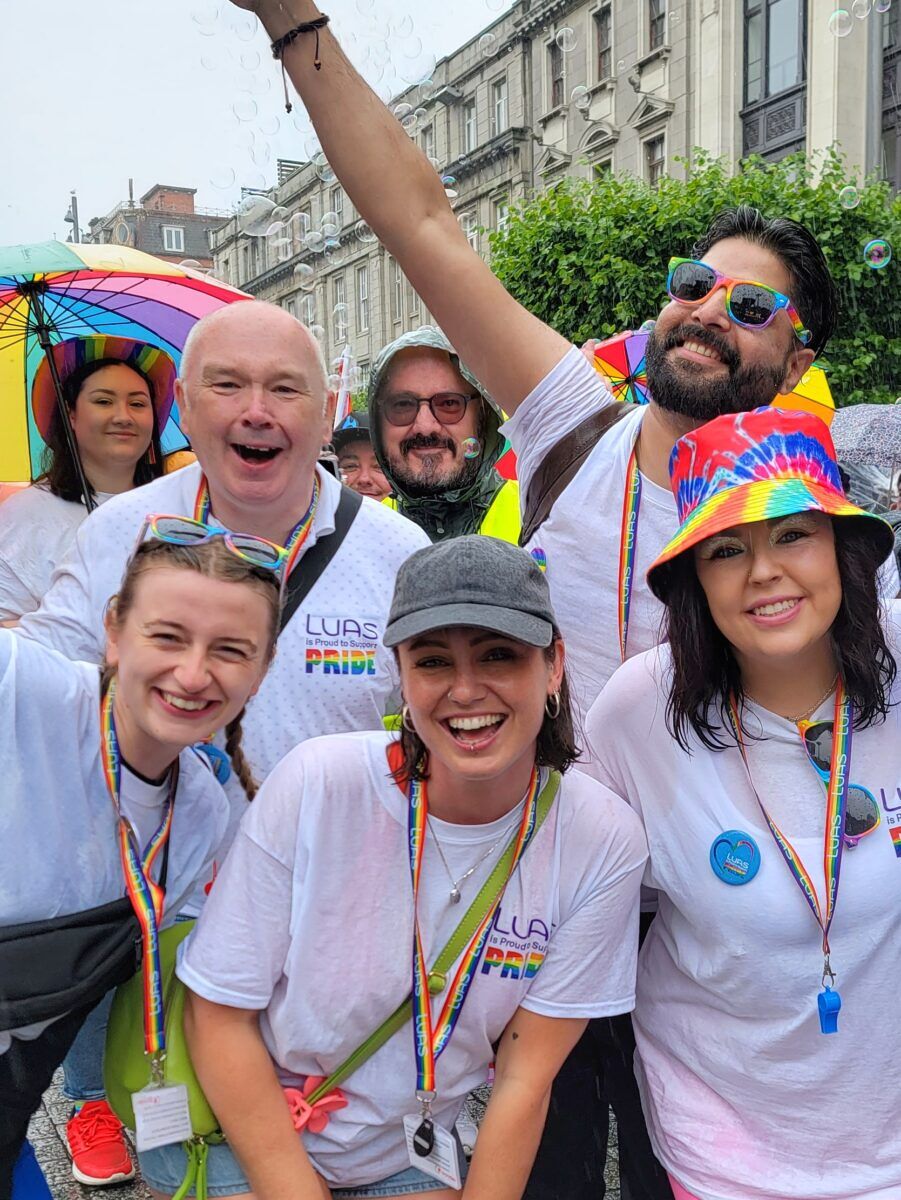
(734, 857)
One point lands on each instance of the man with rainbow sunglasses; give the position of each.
(748, 313)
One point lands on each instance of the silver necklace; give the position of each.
(455, 895)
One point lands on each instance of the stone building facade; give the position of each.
(558, 88)
(164, 223)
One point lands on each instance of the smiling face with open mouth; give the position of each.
(189, 653)
(477, 700)
(256, 408)
(773, 587)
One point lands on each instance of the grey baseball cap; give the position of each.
(474, 580)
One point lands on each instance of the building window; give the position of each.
(774, 47)
(656, 23)
(308, 309)
(414, 301)
(602, 169)
(173, 239)
(428, 141)
(397, 292)
(468, 116)
(336, 199)
(498, 106)
(556, 73)
(501, 214)
(362, 298)
(654, 160)
(603, 31)
(339, 310)
(470, 226)
(289, 306)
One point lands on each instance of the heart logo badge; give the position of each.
(734, 857)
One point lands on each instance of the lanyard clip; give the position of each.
(828, 972)
(425, 1104)
(157, 1069)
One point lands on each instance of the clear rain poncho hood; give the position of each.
(460, 510)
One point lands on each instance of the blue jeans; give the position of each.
(83, 1065)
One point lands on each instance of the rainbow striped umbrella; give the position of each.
(51, 291)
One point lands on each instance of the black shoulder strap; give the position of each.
(318, 557)
(562, 461)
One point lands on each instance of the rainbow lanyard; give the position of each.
(430, 1039)
(297, 537)
(146, 896)
(628, 544)
(834, 837)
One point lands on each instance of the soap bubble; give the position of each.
(840, 23)
(268, 126)
(223, 177)
(204, 14)
(314, 241)
(244, 108)
(427, 89)
(882, 6)
(255, 215)
(620, 66)
(581, 97)
(449, 181)
(495, 5)
(330, 224)
(280, 213)
(403, 27)
(244, 26)
(260, 154)
(211, 60)
(877, 254)
(488, 45)
(860, 9)
(317, 331)
(190, 264)
(402, 110)
(340, 313)
(849, 196)
(365, 7)
(250, 60)
(364, 233)
(334, 383)
(304, 275)
(275, 228)
(471, 447)
(566, 39)
(323, 169)
(300, 223)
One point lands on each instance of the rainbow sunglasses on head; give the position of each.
(753, 305)
(184, 531)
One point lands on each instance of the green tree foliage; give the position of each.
(591, 258)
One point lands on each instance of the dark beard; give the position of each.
(743, 389)
(430, 482)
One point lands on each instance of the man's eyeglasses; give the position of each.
(183, 531)
(753, 305)
(446, 407)
(862, 813)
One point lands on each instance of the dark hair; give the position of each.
(555, 745)
(813, 290)
(215, 561)
(59, 471)
(705, 671)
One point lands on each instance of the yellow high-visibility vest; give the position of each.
(502, 520)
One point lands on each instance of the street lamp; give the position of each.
(71, 218)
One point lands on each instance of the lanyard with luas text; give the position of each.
(430, 1038)
(828, 1002)
(628, 544)
(296, 538)
(147, 896)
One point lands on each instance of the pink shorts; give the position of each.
(679, 1192)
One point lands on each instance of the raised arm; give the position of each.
(398, 192)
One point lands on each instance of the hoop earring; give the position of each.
(405, 719)
(555, 697)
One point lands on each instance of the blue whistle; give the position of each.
(220, 763)
(829, 1003)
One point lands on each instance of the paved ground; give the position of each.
(48, 1136)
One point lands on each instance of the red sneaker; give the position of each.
(97, 1146)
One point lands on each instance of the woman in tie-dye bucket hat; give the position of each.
(762, 748)
(118, 394)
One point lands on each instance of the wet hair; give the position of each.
(58, 469)
(813, 290)
(213, 560)
(555, 745)
(705, 670)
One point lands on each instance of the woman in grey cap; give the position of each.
(452, 876)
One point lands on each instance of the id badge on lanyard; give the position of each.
(161, 1112)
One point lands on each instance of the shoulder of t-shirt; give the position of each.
(892, 625)
(43, 673)
(200, 784)
(595, 816)
(407, 535)
(27, 504)
(172, 494)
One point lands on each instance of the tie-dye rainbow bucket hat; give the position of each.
(754, 466)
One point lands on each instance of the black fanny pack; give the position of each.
(49, 968)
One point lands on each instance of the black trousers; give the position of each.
(26, 1071)
(597, 1076)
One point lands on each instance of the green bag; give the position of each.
(126, 1068)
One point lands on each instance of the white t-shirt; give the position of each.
(58, 848)
(745, 1098)
(311, 922)
(36, 530)
(581, 537)
(331, 672)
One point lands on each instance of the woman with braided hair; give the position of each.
(99, 774)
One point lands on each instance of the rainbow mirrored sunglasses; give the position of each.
(753, 305)
(184, 531)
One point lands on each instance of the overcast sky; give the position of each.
(98, 91)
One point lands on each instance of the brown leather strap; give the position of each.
(562, 462)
